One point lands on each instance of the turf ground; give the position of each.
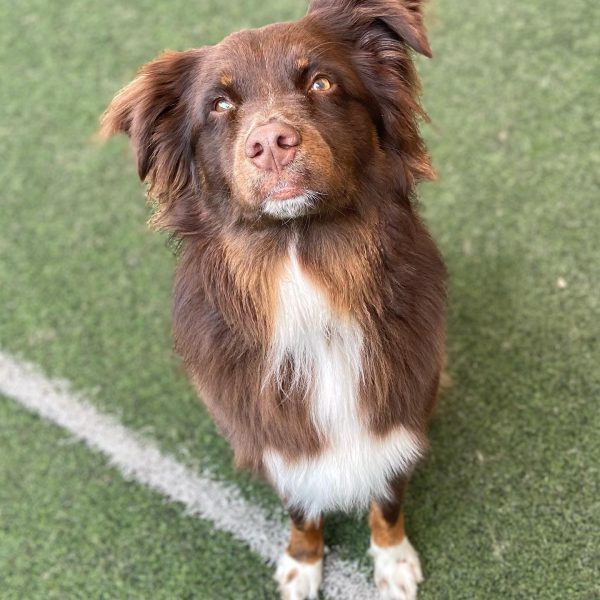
(508, 504)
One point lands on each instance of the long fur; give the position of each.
(312, 330)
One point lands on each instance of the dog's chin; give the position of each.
(290, 208)
(287, 200)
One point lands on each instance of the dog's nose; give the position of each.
(272, 146)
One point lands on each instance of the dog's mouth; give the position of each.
(285, 190)
(288, 200)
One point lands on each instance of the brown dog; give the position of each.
(309, 297)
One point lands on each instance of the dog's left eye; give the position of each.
(322, 84)
(222, 105)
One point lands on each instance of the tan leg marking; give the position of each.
(397, 567)
(300, 568)
(382, 533)
(306, 542)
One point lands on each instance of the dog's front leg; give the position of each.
(397, 566)
(300, 568)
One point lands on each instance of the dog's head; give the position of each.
(289, 120)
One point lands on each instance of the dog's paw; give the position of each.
(397, 570)
(298, 580)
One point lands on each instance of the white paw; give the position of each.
(397, 570)
(298, 580)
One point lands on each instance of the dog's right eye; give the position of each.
(321, 84)
(222, 105)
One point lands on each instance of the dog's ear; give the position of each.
(381, 32)
(404, 18)
(154, 111)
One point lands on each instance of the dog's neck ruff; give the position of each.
(325, 351)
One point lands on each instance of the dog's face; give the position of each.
(280, 122)
(284, 120)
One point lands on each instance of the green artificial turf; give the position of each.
(70, 527)
(507, 506)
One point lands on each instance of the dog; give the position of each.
(309, 297)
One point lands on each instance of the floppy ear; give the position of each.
(380, 31)
(154, 111)
(403, 17)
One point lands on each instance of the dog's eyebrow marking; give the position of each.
(303, 63)
(226, 79)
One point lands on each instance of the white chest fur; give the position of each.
(327, 350)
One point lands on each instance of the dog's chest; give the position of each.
(326, 352)
(325, 349)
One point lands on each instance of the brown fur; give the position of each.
(383, 533)
(363, 245)
(385, 517)
(306, 542)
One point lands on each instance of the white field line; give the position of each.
(139, 459)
